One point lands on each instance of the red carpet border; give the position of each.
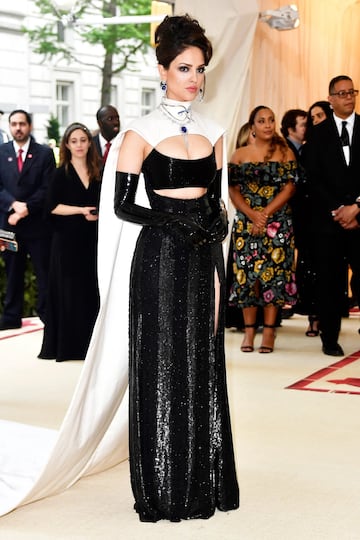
(29, 324)
(343, 377)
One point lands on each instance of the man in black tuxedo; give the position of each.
(293, 128)
(109, 125)
(332, 160)
(25, 171)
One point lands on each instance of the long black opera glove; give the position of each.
(126, 209)
(218, 229)
(186, 229)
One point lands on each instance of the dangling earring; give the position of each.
(163, 86)
(201, 93)
(253, 134)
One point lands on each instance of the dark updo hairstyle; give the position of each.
(276, 142)
(175, 34)
(92, 158)
(325, 106)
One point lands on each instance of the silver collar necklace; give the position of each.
(178, 112)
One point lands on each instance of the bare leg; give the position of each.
(249, 314)
(267, 345)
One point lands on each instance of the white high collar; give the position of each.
(176, 103)
(157, 126)
(176, 111)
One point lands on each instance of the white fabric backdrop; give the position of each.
(230, 25)
(293, 68)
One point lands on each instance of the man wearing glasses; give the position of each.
(332, 160)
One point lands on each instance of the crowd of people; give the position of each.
(305, 198)
(298, 128)
(295, 190)
(49, 200)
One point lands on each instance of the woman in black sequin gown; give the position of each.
(181, 453)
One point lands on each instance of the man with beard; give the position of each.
(26, 168)
(109, 125)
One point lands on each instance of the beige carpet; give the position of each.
(297, 448)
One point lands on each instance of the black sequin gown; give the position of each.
(181, 452)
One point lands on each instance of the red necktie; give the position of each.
(19, 160)
(107, 148)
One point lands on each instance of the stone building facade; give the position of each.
(70, 92)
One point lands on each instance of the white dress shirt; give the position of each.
(24, 148)
(350, 127)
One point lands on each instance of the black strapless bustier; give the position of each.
(181, 173)
(165, 172)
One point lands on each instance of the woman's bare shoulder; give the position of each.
(132, 152)
(240, 155)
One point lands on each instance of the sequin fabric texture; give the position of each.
(267, 258)
(181, 453)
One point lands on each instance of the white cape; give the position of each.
(94, 433)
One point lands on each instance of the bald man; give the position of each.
(109, 125)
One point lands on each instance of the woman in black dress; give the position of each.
(181, 453)
(306, 276)
(73, 298)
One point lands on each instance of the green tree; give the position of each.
(120, 42)
(53, 129)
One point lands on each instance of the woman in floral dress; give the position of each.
(262, 179)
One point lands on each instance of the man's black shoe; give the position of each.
(333, 350)
(9, 326)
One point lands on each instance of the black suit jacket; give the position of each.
(332, 182)
(98, 148)
(97, 145)
(292, 147)
(29, 186)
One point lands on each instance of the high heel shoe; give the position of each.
(248, 348)
(313, 330)
(266, 349)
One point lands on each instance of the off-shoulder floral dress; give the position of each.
(267, 259)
